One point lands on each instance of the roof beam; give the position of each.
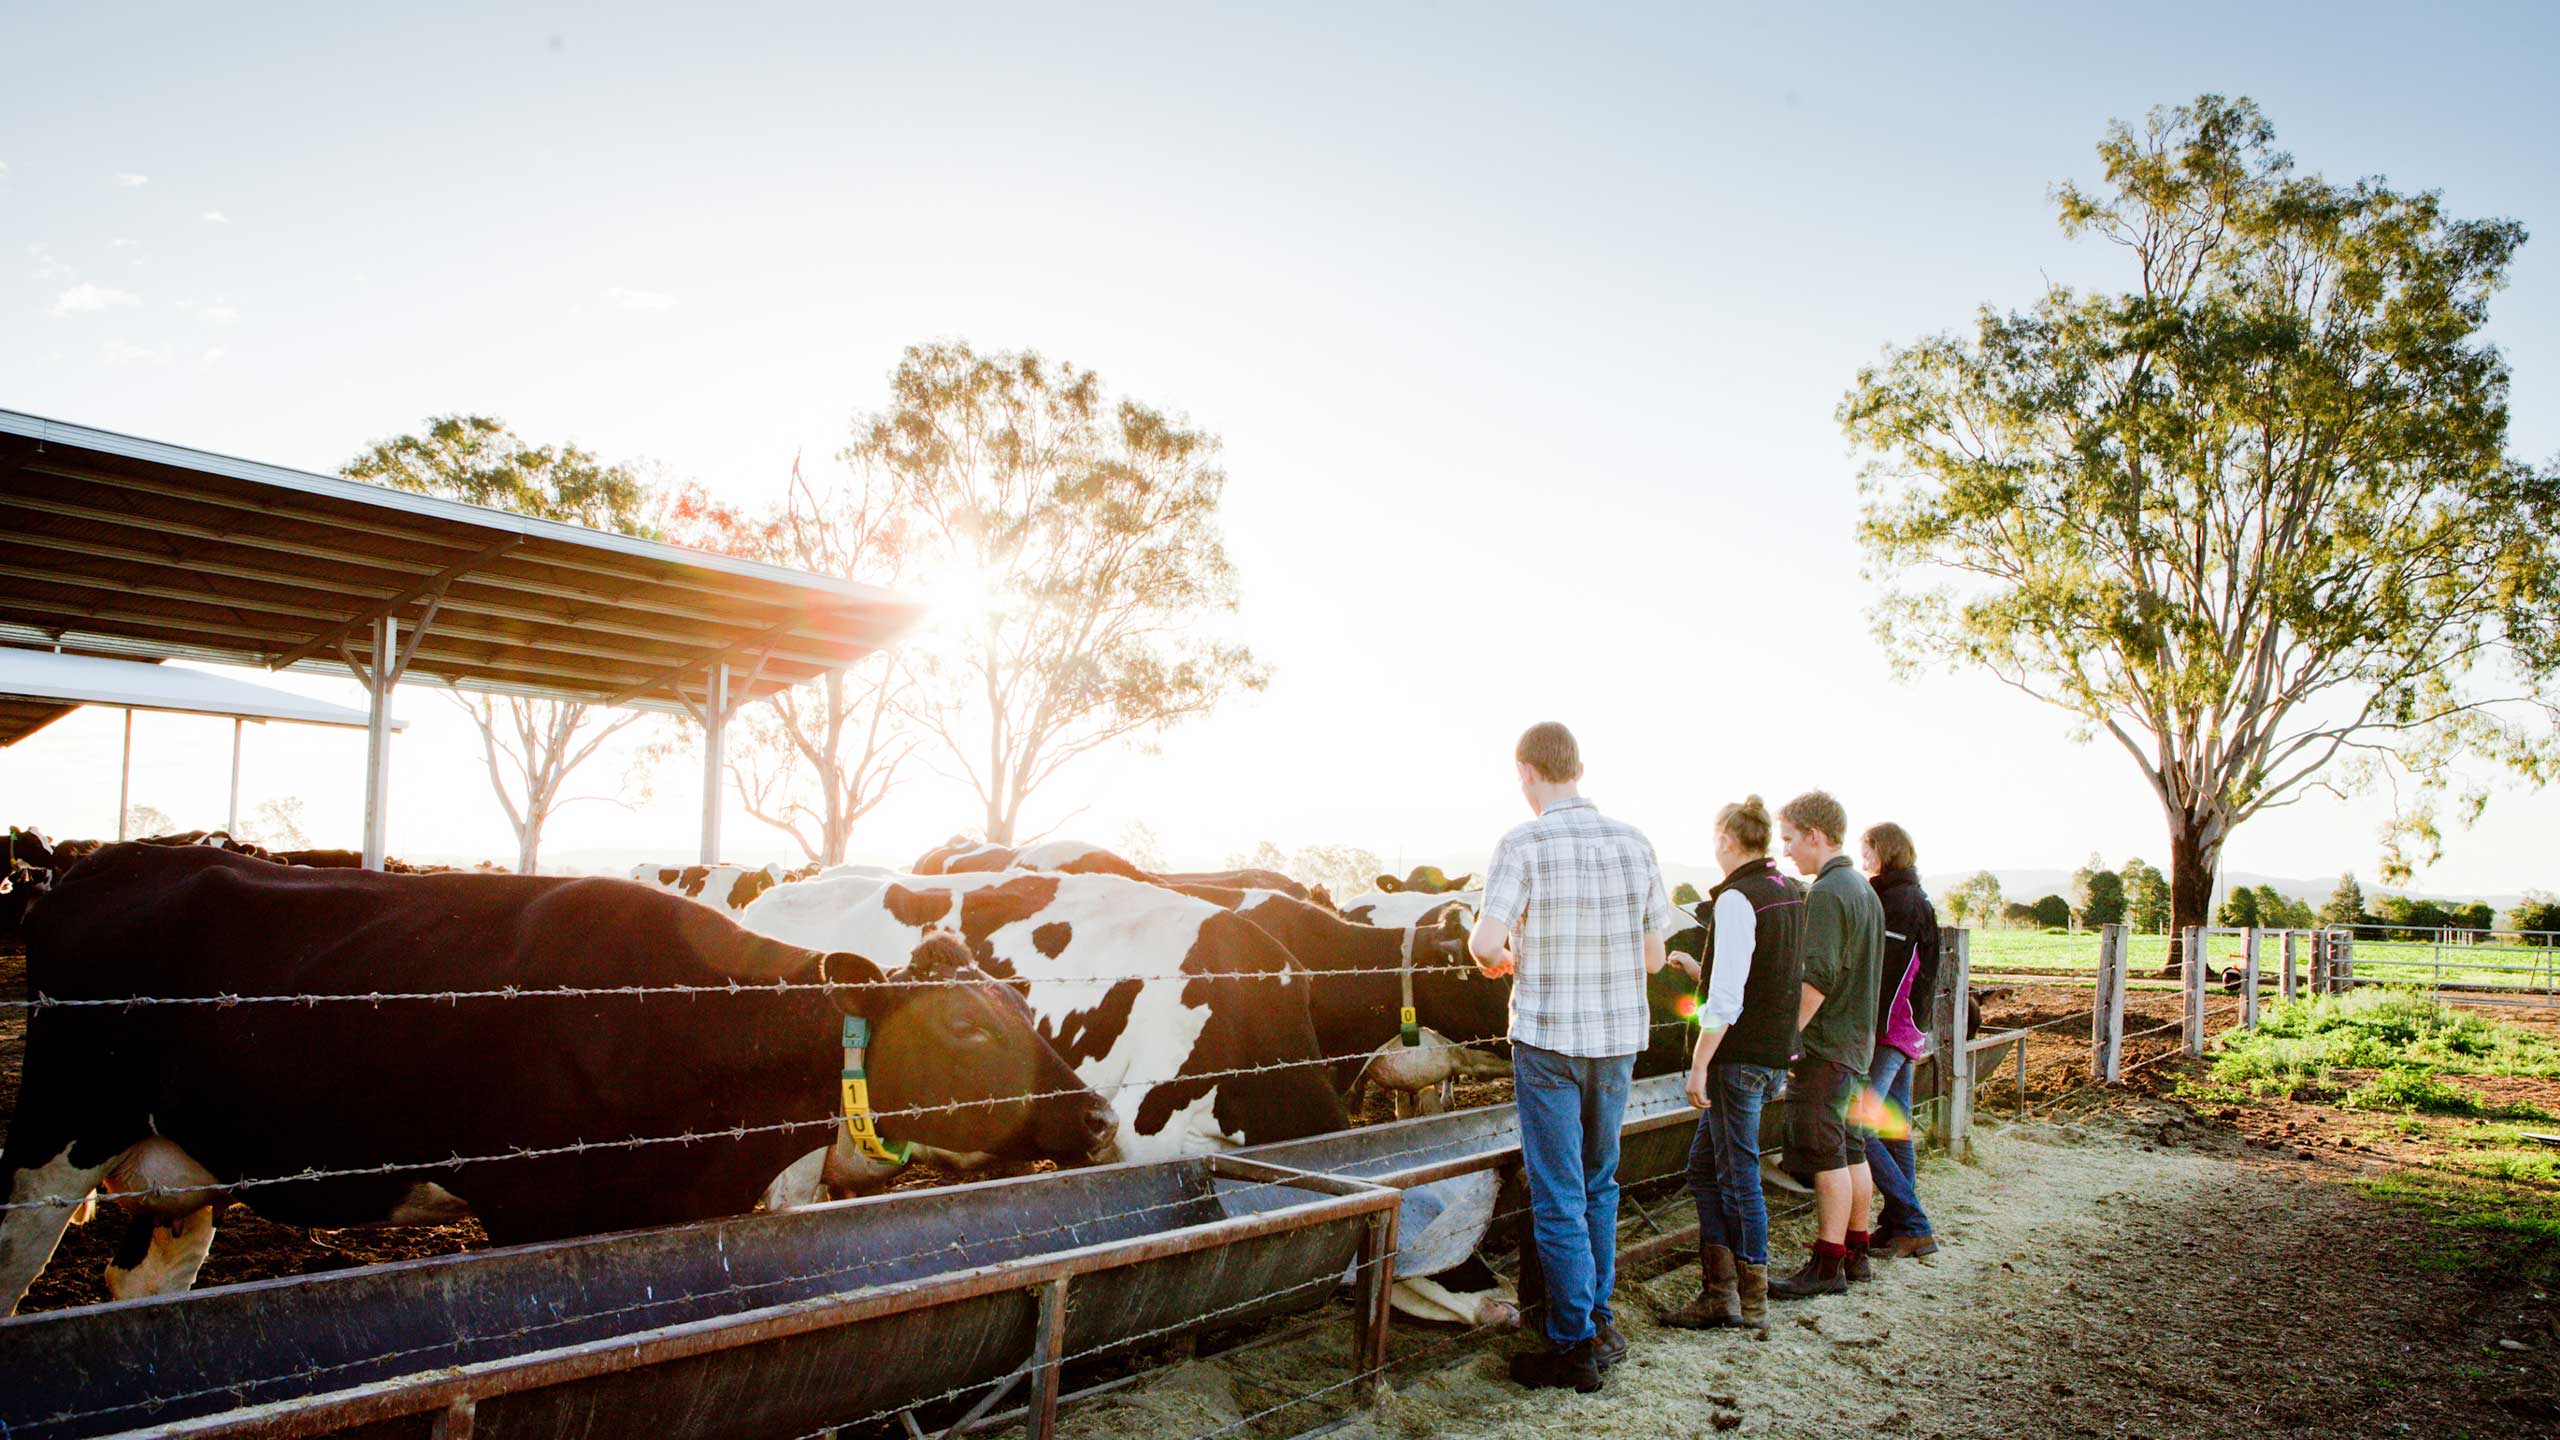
(390, 532)
(676, 673)
(500, 579)
(429, 589)
(452, 602)
(213, 599)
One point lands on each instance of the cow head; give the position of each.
(958, 1063)
(1425, 880)
(1453, 997)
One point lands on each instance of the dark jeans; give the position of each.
(1892, 1161)
(1724, 1160)
(1571, 1109)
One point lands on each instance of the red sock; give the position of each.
(1857, 1242)
(1827, 1250)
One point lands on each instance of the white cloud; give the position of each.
(132, 182)
(217, 217)
(211, 312)
(4, 169)
(82, 298)
(623, 298)
(122, 242)
(47, 268)
(212, 356)
(121, 352)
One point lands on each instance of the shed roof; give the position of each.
(120, 546)
(38, 687)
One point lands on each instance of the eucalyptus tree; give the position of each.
(2251, 517)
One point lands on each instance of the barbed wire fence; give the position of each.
(2200, 1018)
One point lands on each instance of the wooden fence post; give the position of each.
(1946, 1035)
(2249, 980)
(2193, 989)
(2106, 1020)
(1959, 1056)
(2287, 986)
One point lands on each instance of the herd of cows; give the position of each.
(559, 1056)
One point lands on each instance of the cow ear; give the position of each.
(1451, 949)
(1463, 882)
(843, 967)
(1453, 921)
(1388, 884)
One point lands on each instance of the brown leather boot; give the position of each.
(1718, 1302)
(1751, 1283)
(1820, 1276)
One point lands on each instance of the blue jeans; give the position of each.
(1892, 1161)
(1724, 1161)
(1571, 1109)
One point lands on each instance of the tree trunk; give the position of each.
(529, 844)
(2191, 865)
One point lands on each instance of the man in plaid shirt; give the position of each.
(1576, 912)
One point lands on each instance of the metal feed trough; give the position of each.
(766, 1326)
(754, 1327)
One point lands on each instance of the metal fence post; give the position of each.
(1048, 1354)
(2194, 990)
(2106, 1020)
(2249, 980)
(2345, 978)
(1959, 1056)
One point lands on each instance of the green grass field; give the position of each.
(2390, 962)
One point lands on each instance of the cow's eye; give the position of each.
(970, 1032)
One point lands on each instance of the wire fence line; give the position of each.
(227, 999)
(959, 1249)
(742, 1131)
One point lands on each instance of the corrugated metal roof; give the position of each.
(37, 682)
(128, 547)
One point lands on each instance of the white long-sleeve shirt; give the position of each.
(1737, 933)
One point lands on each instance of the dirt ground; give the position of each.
(2142, 1271)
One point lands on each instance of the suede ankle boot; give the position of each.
(1719, 1300)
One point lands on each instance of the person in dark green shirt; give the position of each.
(1843, 965)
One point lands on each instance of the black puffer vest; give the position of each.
(1766, 1032)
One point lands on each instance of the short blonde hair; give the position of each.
(1548, 748)
(1816, 810)
(1892, 846)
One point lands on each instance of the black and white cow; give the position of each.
(151, 1097)
(722, 887)
(1154, 996)
(1412, 907)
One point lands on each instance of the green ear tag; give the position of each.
(1410, 1028)
(857, 1033)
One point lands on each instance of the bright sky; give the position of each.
(1523, 328)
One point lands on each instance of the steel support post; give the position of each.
(377, 739)
(124, 779)
(231, 826)
(715, 738)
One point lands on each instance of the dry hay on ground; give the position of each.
(2142, 1273)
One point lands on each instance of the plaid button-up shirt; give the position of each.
(1579, 891)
